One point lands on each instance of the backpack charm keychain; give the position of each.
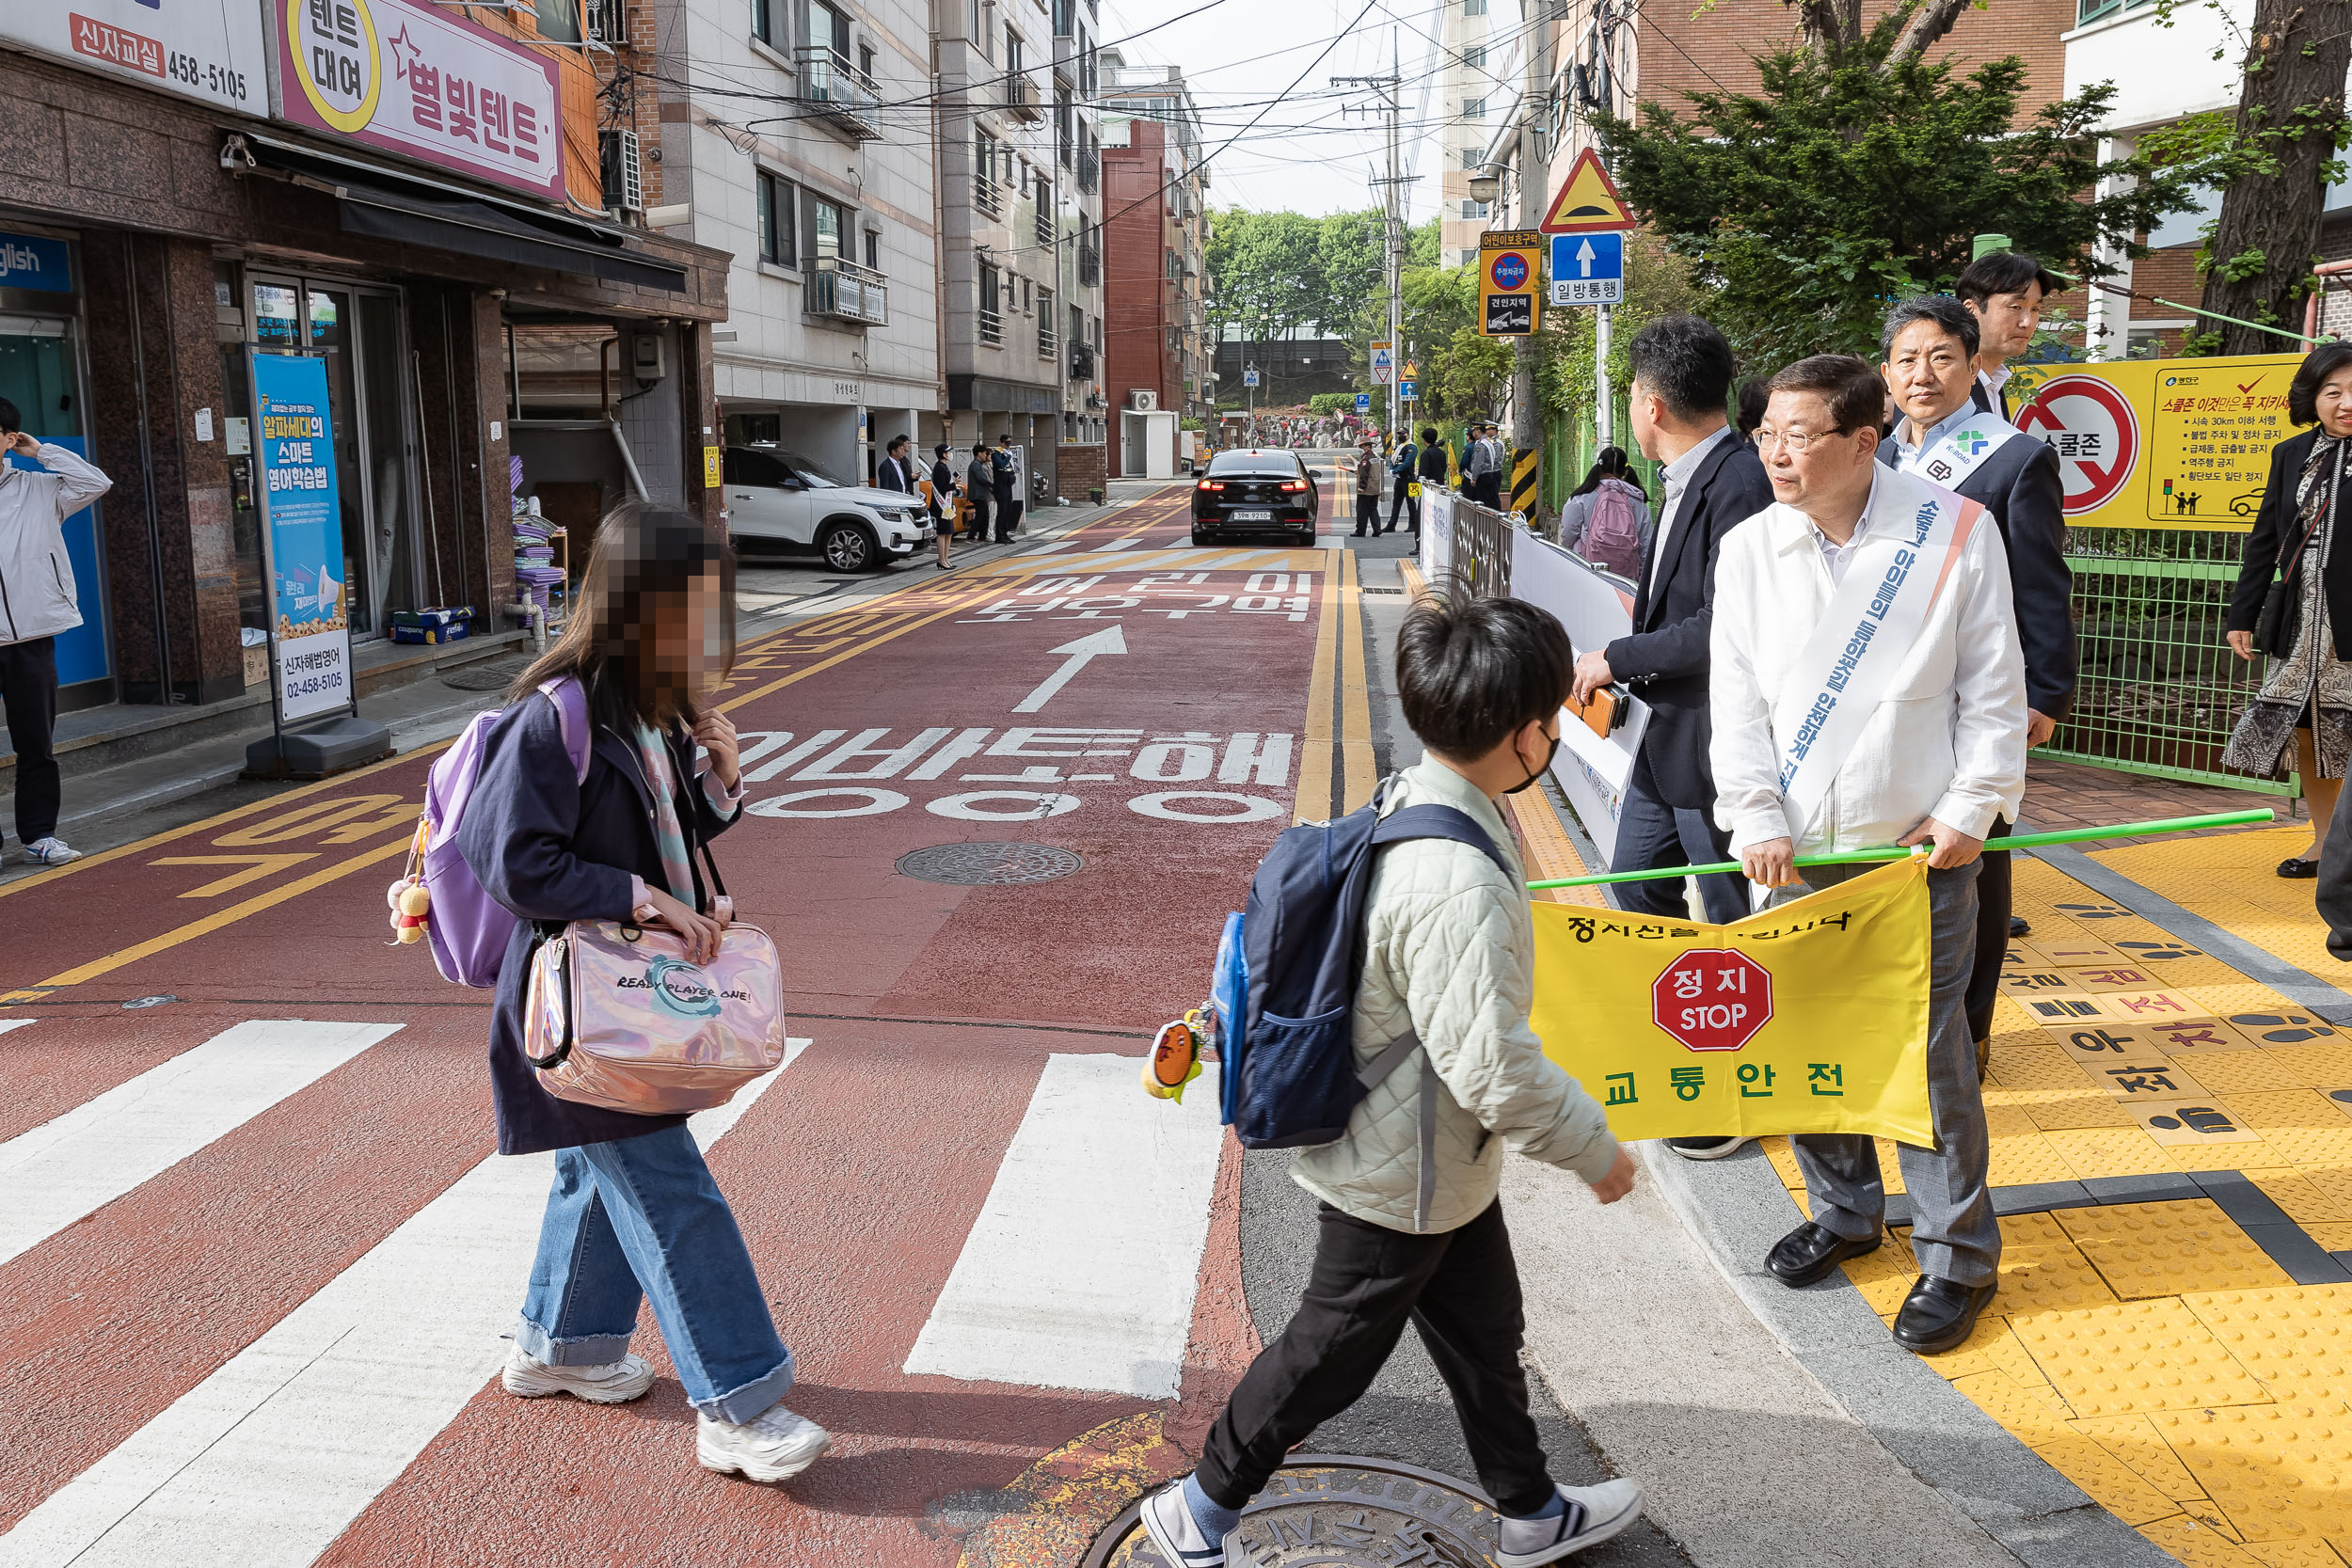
(1175, 1058)
(409, 901)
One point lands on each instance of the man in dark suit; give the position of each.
(1713, 482)
(1929, 349)
(2003, 290)
(1430, 468)
(897, 469)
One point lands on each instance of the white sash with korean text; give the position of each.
(1960, 450)
(1881, 606)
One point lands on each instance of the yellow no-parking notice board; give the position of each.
(2159, 443)
(1808, 1017)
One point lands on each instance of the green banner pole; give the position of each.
(1892, 852)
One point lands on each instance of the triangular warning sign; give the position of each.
(1588, 201)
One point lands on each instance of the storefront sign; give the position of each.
(28, 262)
(2159, 443)
(426, 83)
(302, 521)
(209, 50)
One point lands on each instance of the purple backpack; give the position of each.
(1612, 530)
(466, 927)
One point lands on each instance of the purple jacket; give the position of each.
(553, 849)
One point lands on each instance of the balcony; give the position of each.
(846, 292)
(1044, 337)
(1090, 170)
(842, 96)
(1044, 225)
(991, 326)
(1020, 99)
(1089, 267)
(1082, 361)
(988, 198)
(1066, 53)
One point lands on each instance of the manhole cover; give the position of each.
(989, 864)
(496, 675)
(1340, 1512)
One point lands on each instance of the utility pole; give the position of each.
(1534, 159)
(1390, 88)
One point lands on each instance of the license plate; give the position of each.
(926, 536)
(1253, 517)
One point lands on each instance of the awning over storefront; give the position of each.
(385, 204)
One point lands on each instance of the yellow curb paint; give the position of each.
(1316, 743)
(1359, 772)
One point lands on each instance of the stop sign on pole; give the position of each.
(1712, 1001)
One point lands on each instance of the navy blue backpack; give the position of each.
(1288, 967)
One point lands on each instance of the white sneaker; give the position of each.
(774, 1444)
(49, 851)
(1168, 1520)
(1593, 1513)
(615, 1383)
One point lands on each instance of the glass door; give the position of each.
(40, 373)
(327, 325)
(387, 427)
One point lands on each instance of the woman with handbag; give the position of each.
(633, 1213)
(2303, 619)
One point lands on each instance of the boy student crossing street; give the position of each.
(1449, 959)
(1825, 741)
(1929, 348)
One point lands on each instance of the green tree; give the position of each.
(1861, 171)
(1265, 271)
(1349, 276)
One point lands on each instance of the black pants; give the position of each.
(1992, 906)
(1008, 512)
(1460, 1289)
(1402, 504)
(976, 525)
(1486, 491)
(29, 686)
(1651, 832)
(1367, 512)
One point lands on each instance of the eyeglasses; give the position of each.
(1793, 441)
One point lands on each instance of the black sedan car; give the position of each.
(1256, 490)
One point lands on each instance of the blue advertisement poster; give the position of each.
(311, 630)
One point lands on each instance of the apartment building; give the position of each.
(1020, 266)
(1156, 219)
(796, 136)
(1474, 94)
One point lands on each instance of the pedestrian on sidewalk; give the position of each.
(1432, 468)
(1927, 353)
(2306, 698)
(1448, 945)
(1925, 743)
(1613, 488)
(979, 485)
(2003, 290)
(1484, 469)
(943, 500)
(633, 1214)
(1367, 488)
(1006, 477)
(37, 602)
(1713, 482)
(1402, 501)
(898, 467)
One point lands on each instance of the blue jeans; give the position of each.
(641, 1217)
(1652, 833)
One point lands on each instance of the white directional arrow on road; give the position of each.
(1107, 642)
(1584, 257)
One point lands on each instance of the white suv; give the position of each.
(781, 497)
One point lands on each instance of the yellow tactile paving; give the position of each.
(2022, 1158)
(2038, 1279)
(2134, 1441)
(2241, 1074)
(2112, 1484)
(2333, 1238)
(2307, 1201)
(2297, 1339)
(2028, 1059)
(2278, 1472)
(2032, 1417)
(2161, 1249)
(2136, 1358)
(2232, 879)
(2052, 1110)
(2102, 1151)
(2296, 1554)
(2198, 1546)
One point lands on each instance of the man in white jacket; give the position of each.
(37, 602)
(1410, 1225)
(1868, 689)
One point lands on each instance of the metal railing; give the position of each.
(1090, 170)
(1044, 337)
(992, 325)
(988, 198)
(1089, 266)
(847, 292)
(1082, 361)
(1044, 219)
(842, 95)
(1021, 98)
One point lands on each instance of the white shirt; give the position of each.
(1676, 477)
(1994, 381)
(1949, 738)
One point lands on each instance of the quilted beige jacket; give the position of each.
(1449, 957)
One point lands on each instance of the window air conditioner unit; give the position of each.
(1143, 400)
(622, 169)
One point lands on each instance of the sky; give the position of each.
(1308, 153)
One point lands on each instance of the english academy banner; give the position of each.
(1808, 1017)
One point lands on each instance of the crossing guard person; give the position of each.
(1916, 734)
(1929, 349)
(37, 590)
(1449, 959)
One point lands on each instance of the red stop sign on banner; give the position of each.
(1712, 1001)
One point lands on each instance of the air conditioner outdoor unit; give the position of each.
(622, 171)
(1143, 401)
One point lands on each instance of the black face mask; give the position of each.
(1529, 782)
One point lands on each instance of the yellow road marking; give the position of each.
(256, 867)
(1314, 802)
(1358, 770)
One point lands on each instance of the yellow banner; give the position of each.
(1808, 1017)
(2159, 443)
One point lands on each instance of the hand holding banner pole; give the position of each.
(1893, 853)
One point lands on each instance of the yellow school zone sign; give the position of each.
(2159, 443)
(1808, 1017)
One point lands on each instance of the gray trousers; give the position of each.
(1954, 1234)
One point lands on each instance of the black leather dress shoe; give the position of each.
(1939, 1314)
(1810, 1252)
(2018, 929)
(2299, 869)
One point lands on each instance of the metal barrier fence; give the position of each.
(1481, 559)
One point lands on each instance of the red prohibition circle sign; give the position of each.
(1508, 270)
(2094, 432)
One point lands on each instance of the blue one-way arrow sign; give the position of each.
(1588, 268)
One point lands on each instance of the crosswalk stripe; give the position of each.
(77, 1162)
(1080, 1270)
(267, 1461)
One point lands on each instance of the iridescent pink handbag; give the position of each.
(617, 1015)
